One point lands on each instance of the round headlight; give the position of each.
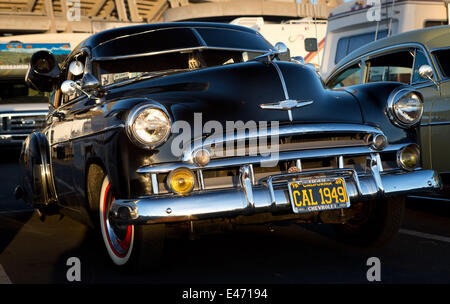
(406, 108)
(148, 126)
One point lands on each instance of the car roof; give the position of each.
(431, 38)
(107, 35)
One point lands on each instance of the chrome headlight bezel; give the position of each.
(395, 97)
(130, 126)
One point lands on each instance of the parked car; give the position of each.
(108, 156)
(421, 59)
(20, 112)
(22, 109)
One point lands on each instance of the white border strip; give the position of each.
(4, 279)
(426, 235)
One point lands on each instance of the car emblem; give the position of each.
(286, 105)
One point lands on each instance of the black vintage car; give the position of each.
(159, 129)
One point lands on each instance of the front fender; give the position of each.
(373, 99)
(37, 176)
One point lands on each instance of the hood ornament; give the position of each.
(286, 105)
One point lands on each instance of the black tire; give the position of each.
(374, 225)
(130, 248)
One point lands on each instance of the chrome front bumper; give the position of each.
(270, 195)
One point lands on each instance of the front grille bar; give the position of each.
(281, 131)
(283, 156)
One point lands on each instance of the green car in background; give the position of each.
(421, 59)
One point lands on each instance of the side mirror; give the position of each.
(426, 72)
(43, 71)
(70, 87)
(281, 47)
(283, 51)
(89, 82)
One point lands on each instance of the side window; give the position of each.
(350, 76)
(348, 44)
(420, 59)
(391, 67)
(443, 60)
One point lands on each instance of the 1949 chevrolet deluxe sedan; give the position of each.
(166, 128)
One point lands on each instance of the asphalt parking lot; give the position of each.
(32, 251)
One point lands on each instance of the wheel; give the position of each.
(131, 248)
(374, 224)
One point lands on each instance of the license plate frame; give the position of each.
(310, 188)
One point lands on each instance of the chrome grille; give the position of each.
(20, 122)
(291, 143)
(308, 147)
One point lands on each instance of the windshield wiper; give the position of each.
(147, 75)
(267, 57)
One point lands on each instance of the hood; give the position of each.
(236, 92)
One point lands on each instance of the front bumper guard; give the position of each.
(270, 195)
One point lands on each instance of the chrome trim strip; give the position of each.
(245, 179)
(231, 203)
(375, 169)
(283, 82)
(341, 162)
(20, 114)
(199, 37)
(89, 134)
(285, 130)
(442, 199)
(201, 181)
(10, 135)
(199, 48)
(252, 174)
(289, 155)
(436, 123)
(298, 164)
(155, 186)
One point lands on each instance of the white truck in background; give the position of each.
(304, 37)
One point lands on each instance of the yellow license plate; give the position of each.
(317, 194)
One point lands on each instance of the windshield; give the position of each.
(168, 40)
(17, 91)
(115, 71)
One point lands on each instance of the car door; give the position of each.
(430, 95)
(60, 139)
(440, 118)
